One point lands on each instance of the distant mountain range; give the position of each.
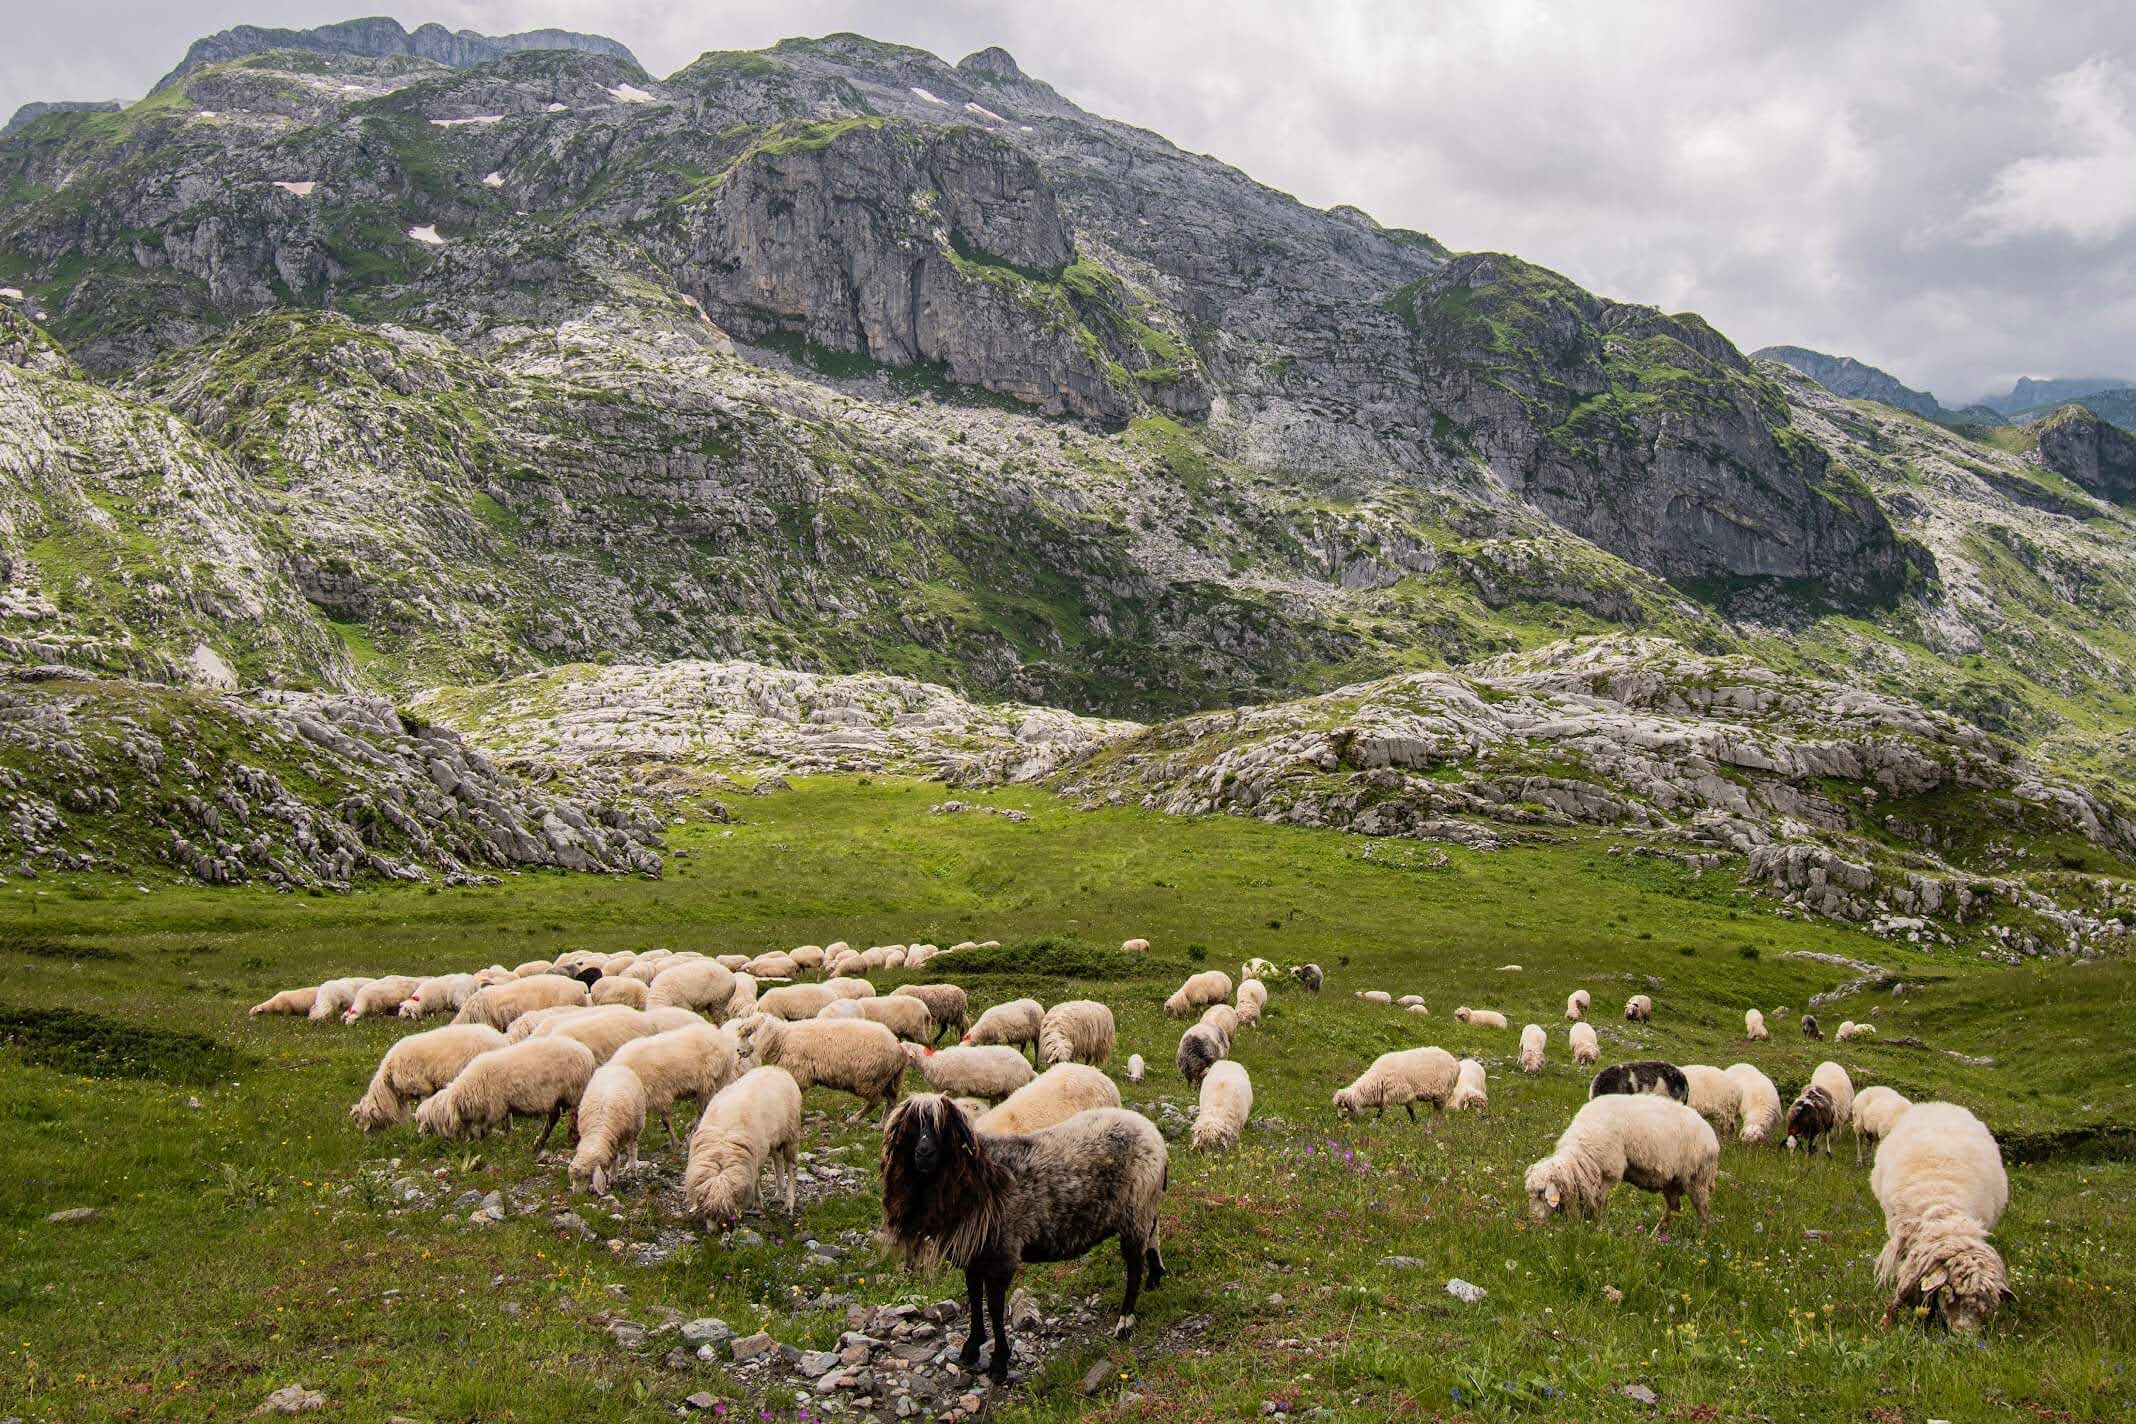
(2110, 398)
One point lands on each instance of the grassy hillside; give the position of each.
(255, 1240)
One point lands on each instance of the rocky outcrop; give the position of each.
(461, 49)
(30, 113)
(2097, 456)
(1850, 379)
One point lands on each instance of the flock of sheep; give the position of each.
(618, 1039)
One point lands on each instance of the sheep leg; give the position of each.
(1410, 1108)
(669, 1123)
(970, 1354)
(1671, 1198)
(550, 1126)
(997, 1295)
(1131, 1254)
(1153, 1262)
(788, 1166)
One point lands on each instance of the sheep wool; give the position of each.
(542, 1076)
(1252, 1000)
(1875, 1113)
(773, 965)
(849, 987)
(1470, 1087)
(851, 1055)
(1375, 996)
(289, 1001)
(1077, 1031)
(990, 1073)
(1754, 1026)
(1200, 1048)
(499, 1004)
(611, 1114)
(1850, 1030)
(1654, 1143)
(1224, 1019)
(1052, 1097)
(1212, 986)
(1403, 1078)
(1480, 1018)
(1576, 1005)
(333, 997)
(1014, 1023)
(1939, 1178)
(1533, 1042)
(532, 967)
(523, 1027)
(902, 1015)
(754, 1120)
(439, 994)
(949, 1005)
(1715, 1096)
(1834, 1080)
(694, 1061)
(807, 956)
(616, 989)
(1638, 1009)
(1226, 1103)
(795, 1001)
(417, 1066)
(1586, 1048)
(700, 984)
(603, 1031)
(1757, 1102)
(1134, 946)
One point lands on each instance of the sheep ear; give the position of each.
(1553, 1196)
(2007, 1296)
(600, 1181)
(1934, 1282)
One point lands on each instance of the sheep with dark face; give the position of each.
(1810, 1028)
(1309, 975)
(1644, 1075)
(990, 1203)
(1810, 1117)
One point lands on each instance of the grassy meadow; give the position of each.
(245, 1238)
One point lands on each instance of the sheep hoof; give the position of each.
(1125, 1328)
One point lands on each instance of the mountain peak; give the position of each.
(992, 63)
(381, 35)
(1850, 379)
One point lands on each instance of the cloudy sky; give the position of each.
(1943, 188)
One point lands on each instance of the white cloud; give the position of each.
(2087, 192)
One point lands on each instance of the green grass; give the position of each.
(257, 1221)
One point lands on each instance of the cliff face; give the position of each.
(1850, 379)
(377, 37)
(2093, 453)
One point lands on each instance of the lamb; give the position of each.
(699, 984)
(616, 989)
(754, 1120)
(1252, 1000)
(1052, 1097)
(692, 1062)
(1757, 1101)
(1077, 1031)
(794, 1002)
(1939, 1178)
(851, 1055)
(1576, 1005)
(991, 1073)
(1134, 946)
(1810, 1028)
(1654, 1143)
(1014, 1023)
(539, 1076)
(949, 1005)
(604, 1031)
(1212, 986)
(1201, 1048)
(906, 1017)
(1470, 1089)
(1754, 1026)
(1402, 1078)
(1586, 1048)
(1875, 1112)
(439, 994)
(1375, 996)
(1645, 1075)
(1309, 975)
(1226, 1103)
(1480, 1018)
(289, 1001)
(499, 1004)
(332, 997)
(1638, 1009)
(1714, 1096)
(1135, 1068)
(990, 1203)
(417, 1066)
(611, 1115)
(1532, 1043)
(1850, 1030)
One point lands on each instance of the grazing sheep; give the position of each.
(1876, 1110)
(699, 984)
(1256, 968)
(1757, 1101)
(851, 1055)
(1586, 1047)
(1754, 1026)
(1200, 1048)
(904, 1016)
(773, 965)
(754, 1120)
(499, 1004)
(1470, 1087)
(610, 1116)
(1839, 1089)
(1939, 1178)
(743, 1000)
(1420, 1009)
(694, 1062)
(523, 1027)
(1226, 1103)
(1638, 1009)
(417, 1066)
(989, 1204)
(1480, 1018)
(1812, 1115)
(289, 1001)
(615, 989)
(616, 963)
(949, 1005)
(1850, 1030)
(1052, 1097)
(794, 1002)
(1375, 996)
(646, 967)
(1252, 1000)
(1646, 1075)
(1211, 986)
(808, 957)
(1656, 1144)
(848, 987)
(1402, 1079)
(439, 994)
(1509, 969)
(1810, 1028)
(332, 997)
(1134, 946)
(1224, 1019)
(530, 1079)
(1533, 1041)
(533, 967)
(1135, 1069)
(1410, 1001)
(603, 1031)
(847, 962)
(1576, 1005)
(1015, 1023)
(991, 1073)
(1714, 1096)
(1309, 975)
(1077, 1031)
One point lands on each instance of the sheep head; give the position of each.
(1546, 1197)
(1949, 1272)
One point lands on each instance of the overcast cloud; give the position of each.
(1943, 188)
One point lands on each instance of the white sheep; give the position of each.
(1757, 1102)
(1375, 996)
(1480, 1018)
(610, 1116)
(615, 964)
(439, 994)
(773, 965)
(417, 1066)
(1052, 1097)
(1850, 1030)
(1257, 968)
(603, 1030)
(289, 1001)
(533, 967)
(847, 961)
(808, 957)
(1876, 1111)
(950, 1005)
(1134, 946)
(1420, 1009)
(795, 1001)
(1653, 1142)
(523, 1027)
(1533, 1042)
(1015, 1023)
(332, 997)
(1211, 986)
(666, 1020)
(619, 989)
(1714, 1096)
(499, 1004)
(1410, 1001)
(1638, 1009)
(694, 1061)
(852, 1055)
(699, 984)
(904, 1016)
(1471, 1088)
(1939, 1178)
(1226, 1103)
(1576, 1005)
(1224, 1019)
(754, 1120)
(647, 966)
(542, 1076)
(991, 1073)
(848, 986)
(1586, 1048)
(1403, 1078)
(1252, 1000)
(1076, 1031)
(1754, 1026)
(1135, 1068)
